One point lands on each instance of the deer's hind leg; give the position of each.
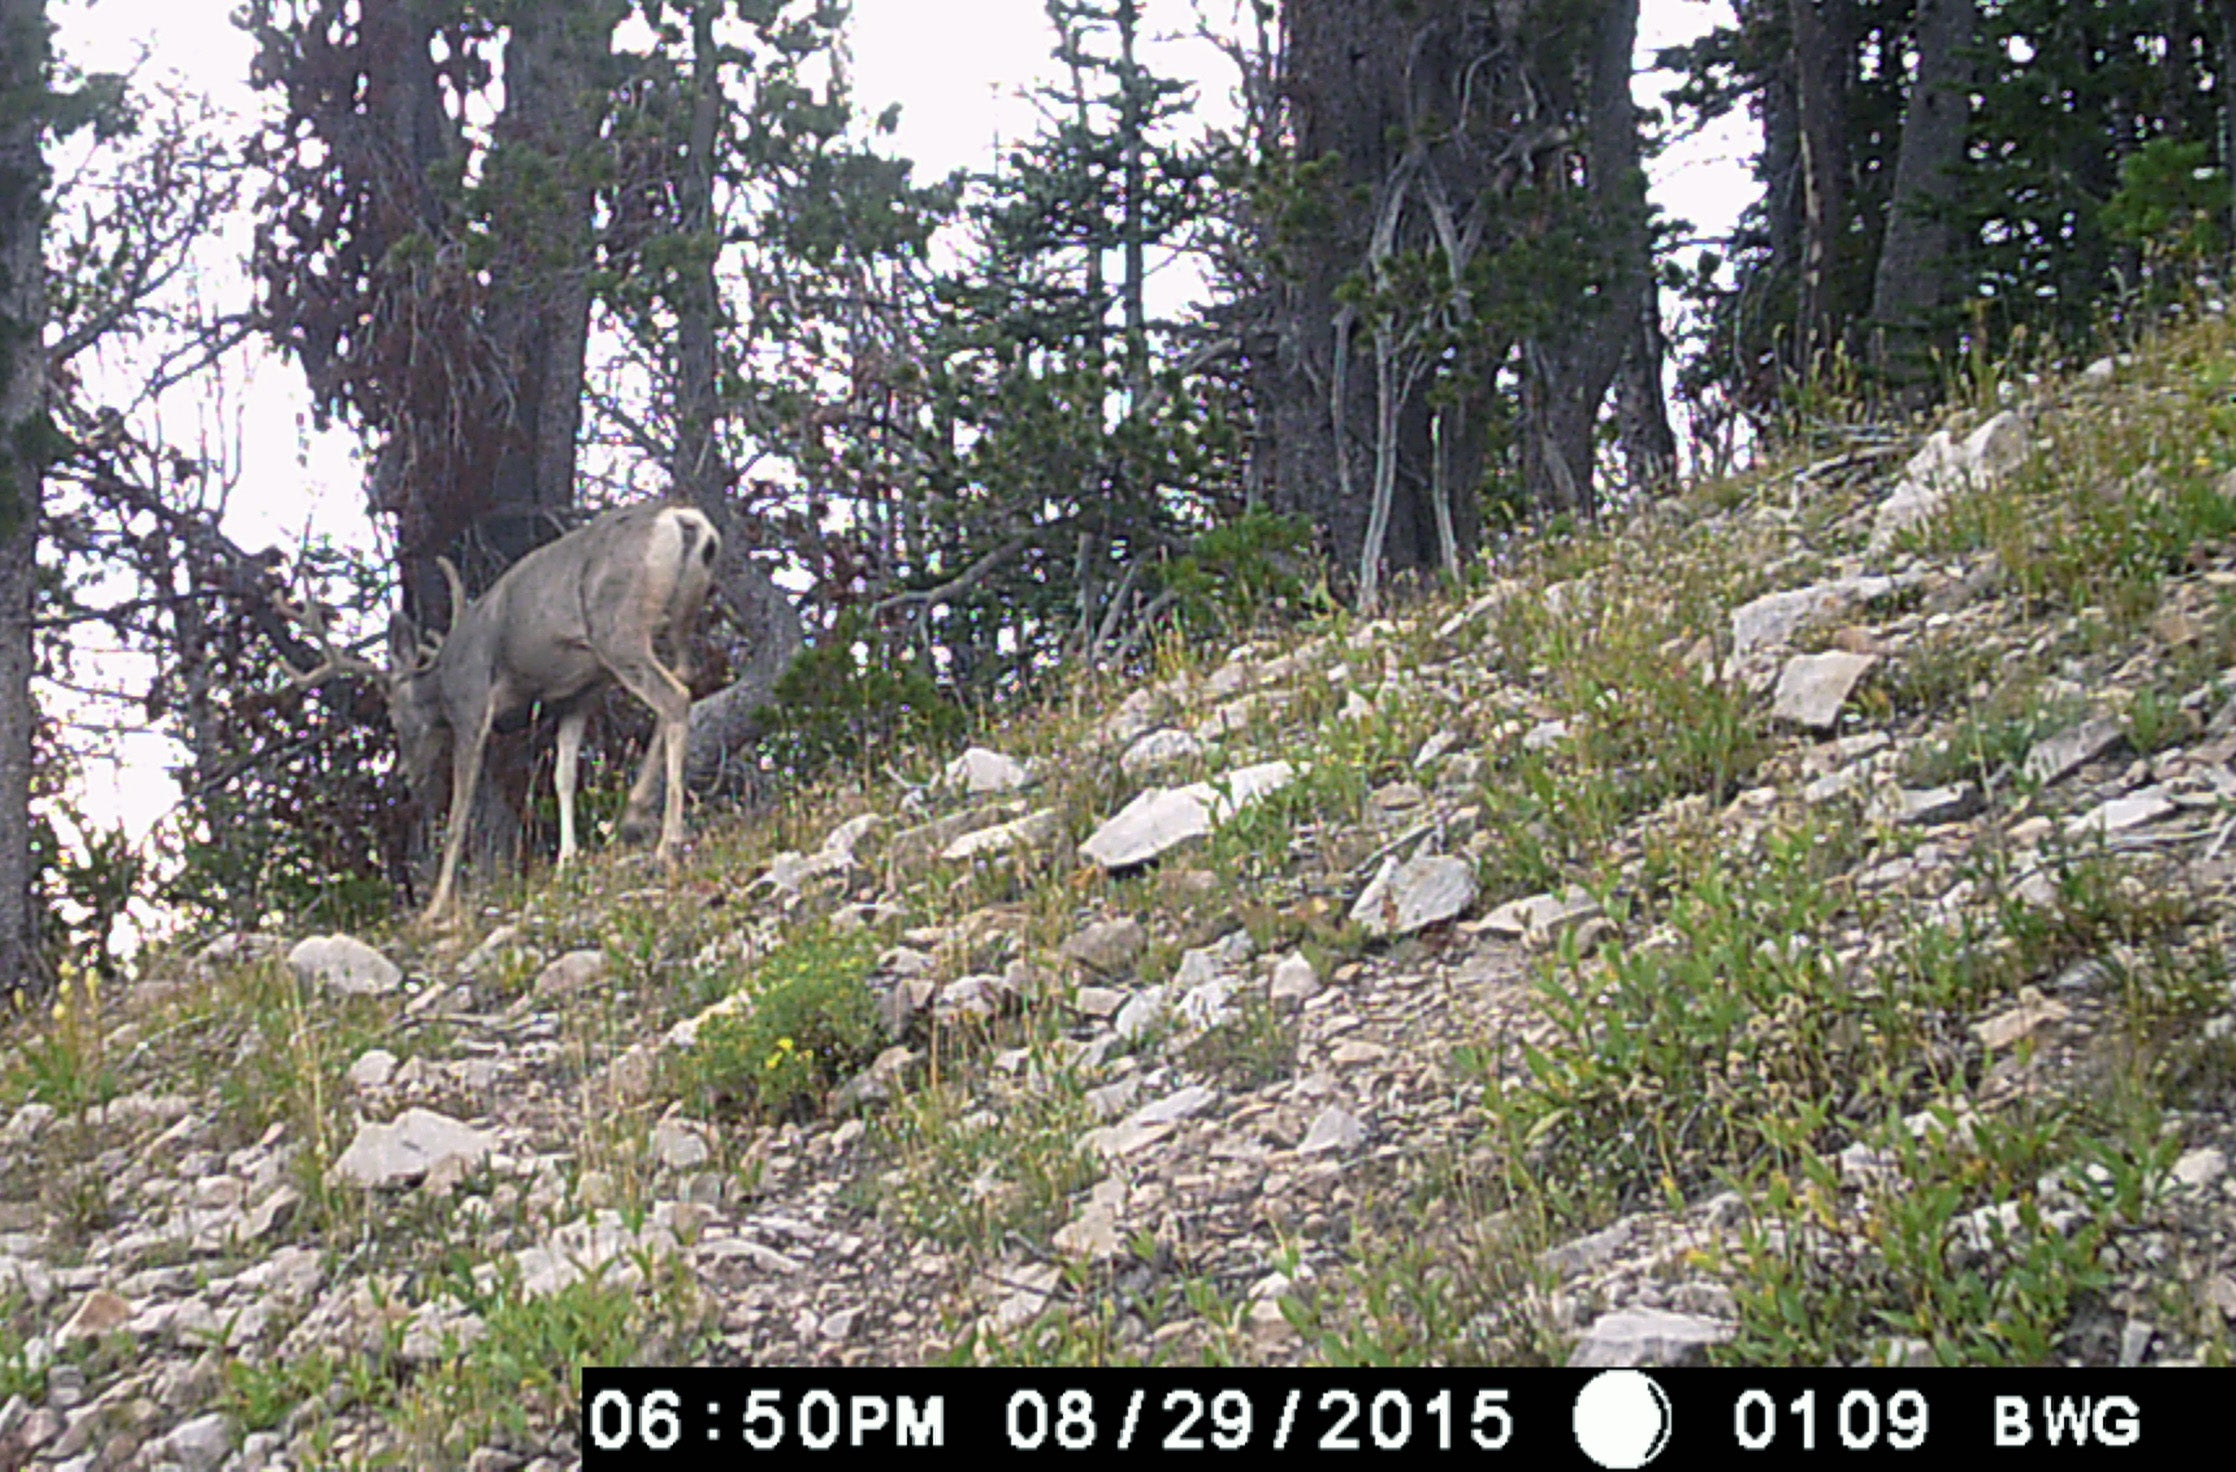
(653, 683)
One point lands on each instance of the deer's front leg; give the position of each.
(570, 750)
(465, 771)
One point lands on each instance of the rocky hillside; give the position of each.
(1789, 927)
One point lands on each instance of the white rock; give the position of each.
(981, 773)
(1942, 468)
(1160, 819)
(1158, 751)
(571, 973)
(1813, 687)
(1031, 831)
(1542, 917)
(2054, 758)
(1335, 1129)
(601, 1246)
(417, 1142)
(2200, 1168)
(680, 1144)
(344, 964)
(2145, 805)
(199, 1445)
(1108, 946)
(1404, 898)
(1176, 1106)
(1141, 1012)
(372, 1070)
(1647, 1336)
(1294, 980)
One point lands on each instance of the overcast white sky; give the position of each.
(961, 71)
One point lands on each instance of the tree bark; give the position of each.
(24, 62)
(1913, 258)
(1365, 80)
(1821, 30)
(1567, 378)
(727, 720)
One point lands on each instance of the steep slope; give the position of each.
(1789, 927)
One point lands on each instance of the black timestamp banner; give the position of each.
(1537, 1418)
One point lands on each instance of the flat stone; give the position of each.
(602, 1247)
(980, 773)
(1094, 1233)
(680, 1144)
(1813, 687)
(2146, 805)
(415, 1143)
(1910, 808)
(2033, 1011)
(1404, 898)
(2054, 758)
(100, 1313)
(1542, 917)
(372, 1070)
(1176, 1106)
(1098, 1001)
(1630, 1337)
(344, 964)
(1158, 751)
(1160, 819)
(199, 1445)
(1942, 467)
(1031, 831)
(1333, 1129)
(1775, 618)
(1143, 1010)
(574, 972)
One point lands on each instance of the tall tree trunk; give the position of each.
(24, 60)
(1913, 270)
(1642, 406)
(1132, 128)
(1567, 378)
(1821, 40)
(727, 720)
(1365, 80)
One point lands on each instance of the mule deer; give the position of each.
(571, 618)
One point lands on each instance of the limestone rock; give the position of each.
(416, 1143)
(372, 1070)
(1294, 980)
(1542, 918)
(344, 964)
(1160, 819)
(1944, 466)
(1630, 1337)
(1034, 830)
(1813, 687)
(1774, 618)
(982, 773)
(574, 972)
(1404, 898)
(1923, 808)
(2054, 758)
(1334, 1129)
(2145, 805)
(1158, 751)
